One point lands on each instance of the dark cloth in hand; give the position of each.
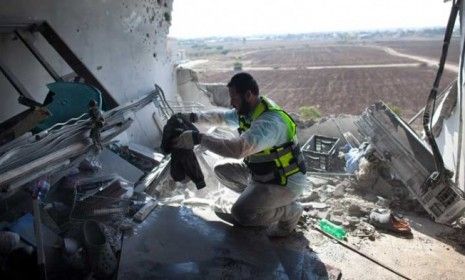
(183, 162)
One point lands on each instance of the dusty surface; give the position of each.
(428, 255)
(175, 243)
(434, 252)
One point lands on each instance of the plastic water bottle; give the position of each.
(332, 229)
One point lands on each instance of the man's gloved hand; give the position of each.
(187, 140)
(192, 117)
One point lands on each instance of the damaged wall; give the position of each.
(209, 95)
(123, 42)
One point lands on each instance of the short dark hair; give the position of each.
(243, 82)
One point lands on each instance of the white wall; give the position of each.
(123, 42)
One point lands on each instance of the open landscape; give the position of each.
(335, 77)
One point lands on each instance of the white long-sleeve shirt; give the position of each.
(267, 131)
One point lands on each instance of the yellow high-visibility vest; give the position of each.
(274, 165)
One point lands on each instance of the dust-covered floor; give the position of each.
(435, 251)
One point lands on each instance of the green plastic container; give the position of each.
(332, 229)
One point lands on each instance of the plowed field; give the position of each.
(373, 75)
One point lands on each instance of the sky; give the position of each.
(205, 18)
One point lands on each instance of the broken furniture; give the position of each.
(410, 160)
(26, 156)
(55, 151)
(67, 100)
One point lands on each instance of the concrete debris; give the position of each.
(338, 212)
(314, 205)
(339, 190)
(317, 182)
(309, 196)
(336, 219)
(312, 213)
(356, 211)
(317, 214)
(338, 198)
(329, 189)
(366, 230)
(353, 221)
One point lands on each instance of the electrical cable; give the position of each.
(439, 175)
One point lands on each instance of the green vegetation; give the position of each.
(237, 66)
(309, 113)
(395, 109)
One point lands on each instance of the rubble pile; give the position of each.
(103, 192)
(336, 200)
(84, 204)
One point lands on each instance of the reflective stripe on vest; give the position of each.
(287, 159)
(269, 105)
